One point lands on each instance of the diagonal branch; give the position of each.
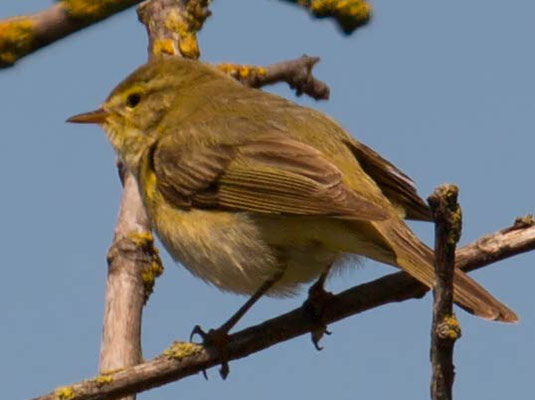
(184, 359)
(349, 14)
(20, 36)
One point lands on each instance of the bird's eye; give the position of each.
(133, 100)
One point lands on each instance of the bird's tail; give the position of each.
(416, 259)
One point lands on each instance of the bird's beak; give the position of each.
(92, 117)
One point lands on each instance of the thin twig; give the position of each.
(184, 359)
(297, 73)
(20, 36)
(445, 329)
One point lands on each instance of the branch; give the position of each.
(516, 239)
(20, 36)
(133, 265)
(133, 261)
(184, 359)
(445, 328)
(297, 73)
(172, 26)
(349, 14)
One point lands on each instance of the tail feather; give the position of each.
(471, 296)
(417, 259)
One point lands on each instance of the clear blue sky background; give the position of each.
(445, 90)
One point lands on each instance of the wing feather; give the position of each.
(273, 174)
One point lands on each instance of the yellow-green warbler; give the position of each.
(253, 193)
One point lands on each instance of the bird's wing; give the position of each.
(272, 174)
(394, 184)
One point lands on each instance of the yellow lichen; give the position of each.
(102, 380)
(141, 239)
(149, 275)
(242, 72)
(450, 194)
(16, 39)
(189, 47)
(449, 328)
(187, 24)
(163, 46)
(456, 226)
(350, 14)
(94, 10)
(153, 266)
(65, 393)
(180, 350)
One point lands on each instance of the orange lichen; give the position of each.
(16, 39)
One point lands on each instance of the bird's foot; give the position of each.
(314, 308)
(217, 339)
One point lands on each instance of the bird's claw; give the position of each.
(314, 308)
(197, 330)
(317, 334)
(218, 339)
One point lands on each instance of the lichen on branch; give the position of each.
(242, 72)
(16, 39)
(20, 36)
(297, 73)
(350, 14)
(172, 26)
(94, 10)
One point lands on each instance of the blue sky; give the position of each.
(445, 90)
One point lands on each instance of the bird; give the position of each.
(257, 195)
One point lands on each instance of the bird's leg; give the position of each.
(218, 338)
(314, 307)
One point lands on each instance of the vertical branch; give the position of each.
(172, 26)
(133, 261)
(445, 328)
(133, 265)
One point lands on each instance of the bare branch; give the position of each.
(133, 265)
(445, 329)
(516, 239)
(20, 36)
(349, 14)
(133, 261)
(184, 359)
(297, 73)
